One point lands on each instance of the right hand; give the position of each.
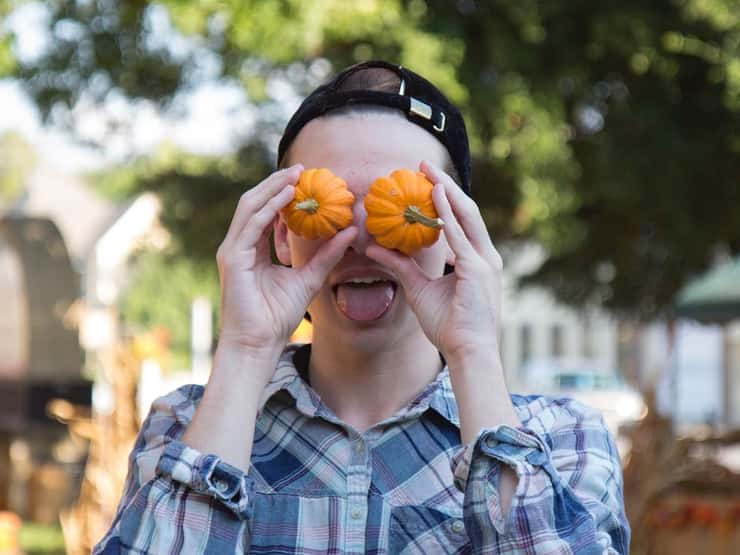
(262, 303)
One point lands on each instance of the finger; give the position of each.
(411, 276)
(254, 199)
(256, 229)
(264, 243)
(315, 272)
(465, 208)
(456, 238)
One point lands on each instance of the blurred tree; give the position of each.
(198, 196)
(607, 130)
(7, 59)
(161, 294)
(17, 159)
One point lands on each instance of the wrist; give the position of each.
(243, 366)
(236, 350)
(475, 357)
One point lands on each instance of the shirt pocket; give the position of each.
(417, 529)
(288, 523)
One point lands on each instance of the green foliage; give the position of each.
(42, 539)
(199, 196)
(606, 130)
(7, 60)
(162, 292)
(618, 123)
(17, 159)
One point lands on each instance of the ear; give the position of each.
(282, 246)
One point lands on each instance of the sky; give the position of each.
(204, 121)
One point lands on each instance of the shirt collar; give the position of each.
(291, 376)
(287, 378)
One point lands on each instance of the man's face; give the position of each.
(360, 148)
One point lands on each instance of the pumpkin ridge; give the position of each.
(409, 182)
(385, 206)
(325, 204)
(338, 196)
(382, 226)
(389, 218)
(310, 225)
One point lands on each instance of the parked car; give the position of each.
(586, 381)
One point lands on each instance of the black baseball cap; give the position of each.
(421, 102)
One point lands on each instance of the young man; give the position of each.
(393, 432)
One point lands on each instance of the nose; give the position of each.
(359, 216)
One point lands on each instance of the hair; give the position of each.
(373, 79)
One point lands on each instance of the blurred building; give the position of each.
(63, 250)
(81, 214)
(695, 368)
(537, 327)
(99, 235)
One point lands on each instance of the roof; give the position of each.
(713, 297)
(81, 214)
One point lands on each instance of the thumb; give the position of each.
(412, 277)
(315, 271)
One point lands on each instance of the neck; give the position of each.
(363, 388)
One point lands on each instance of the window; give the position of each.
(557, 348)
(525, 343)
(587, 345)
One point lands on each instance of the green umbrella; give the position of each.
(713, 297)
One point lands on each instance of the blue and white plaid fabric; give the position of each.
(407, 485)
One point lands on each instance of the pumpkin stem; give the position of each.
(414, 215)
(309, 205)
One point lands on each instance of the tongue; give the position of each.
(365, 302)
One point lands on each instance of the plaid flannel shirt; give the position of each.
(407, 485)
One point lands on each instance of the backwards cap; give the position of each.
(421, 102)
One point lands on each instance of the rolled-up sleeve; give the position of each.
(569, 494)
(175, 498)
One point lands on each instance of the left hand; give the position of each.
(460, 313)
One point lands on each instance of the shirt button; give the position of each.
(458, 527)
(356, 513)
(491, 442)
(358, 447)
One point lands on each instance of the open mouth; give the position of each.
(365, 299)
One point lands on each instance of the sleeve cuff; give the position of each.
(208, 475)
(520, 448)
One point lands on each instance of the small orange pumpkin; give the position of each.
(322, 205)
(401, 213)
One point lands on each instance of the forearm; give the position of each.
(565, 470)
(224, 421)
(482, 397)
(483, 402)
(166, 476)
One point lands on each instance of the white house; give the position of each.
(536, 326)
(696, 368)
